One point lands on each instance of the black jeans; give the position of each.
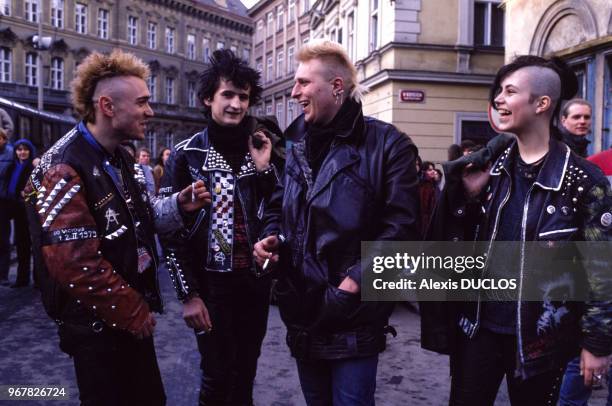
(112, 367)
(22, 242)
(479, 365)
(237, 303)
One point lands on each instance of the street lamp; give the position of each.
(40, 43)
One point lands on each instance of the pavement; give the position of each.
(29, 355)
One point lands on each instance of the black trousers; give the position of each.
(238, 305)
(479, 365)
(112, 367)
(22, 243)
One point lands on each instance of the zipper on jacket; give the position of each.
(522, 267)
(494, 234)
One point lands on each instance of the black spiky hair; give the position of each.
(224, 64)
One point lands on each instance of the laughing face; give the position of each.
(514, 103)
(229, 104)
(315, 93)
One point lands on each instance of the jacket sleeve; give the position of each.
(399, 213)
(71, 251)
(175, 241)
(597, 319)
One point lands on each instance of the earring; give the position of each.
(338, 96)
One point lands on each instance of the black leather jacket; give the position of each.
(365, 190)
(194, 250)
(571, 200)
(90, 239)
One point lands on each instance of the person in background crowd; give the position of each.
(158, 170)
(428, 194)
(225, 296)
(144, 160)
(439, 179)
(576, 125)
(348, 179)
(527, 195)
(96, 225)
(454, 152)
(468, 146)
(6, 162)
(21, 170)
(6, 123)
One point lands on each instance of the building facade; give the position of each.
(281, 27)
(579, 31)
(175, 37)
(428, 64)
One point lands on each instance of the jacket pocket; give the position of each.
(339, 308)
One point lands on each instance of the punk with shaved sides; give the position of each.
(97, 224)
(528, 199)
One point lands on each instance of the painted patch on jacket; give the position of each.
(221, 232)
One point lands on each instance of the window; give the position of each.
(103, 23)
(279, 113)
(339, 36)
(206, 49)
(291, 11)
(270, 68)
(191, 52)
(132, 29)
(270, 29)
(152, 35)
(350, 37)
(280, 60)
(170, 90)
(290, 59)
(5, 64)
(57, 13)
(305, 6)
(169, 139)
(374, 25)
(5, 7)
(57, 74)
(280, 17)
(220, 44)
(291, 111)
(31, 10)
(170, 40)
(259, 65)
(259, 36)
(246, 54)
(31, 69)
(474, 127)
(488, 23)
(191, 94)
(269, 109)
(150, 137)
(80, 18)
(152, 84)
(333, 35)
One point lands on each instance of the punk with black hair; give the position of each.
(224, 64)
(569, 82)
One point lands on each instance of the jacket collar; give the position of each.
(553, 169)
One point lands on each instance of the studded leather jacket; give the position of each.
(96, 225)
(205, 244)
(571, 200)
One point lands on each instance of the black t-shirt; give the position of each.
(499, 310)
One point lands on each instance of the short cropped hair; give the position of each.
(570, 103)
(224, 64)
(141, 150)
(336, 60)
(97, 67)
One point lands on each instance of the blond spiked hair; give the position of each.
(337, 63)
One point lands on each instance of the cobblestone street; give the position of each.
(29, 355)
